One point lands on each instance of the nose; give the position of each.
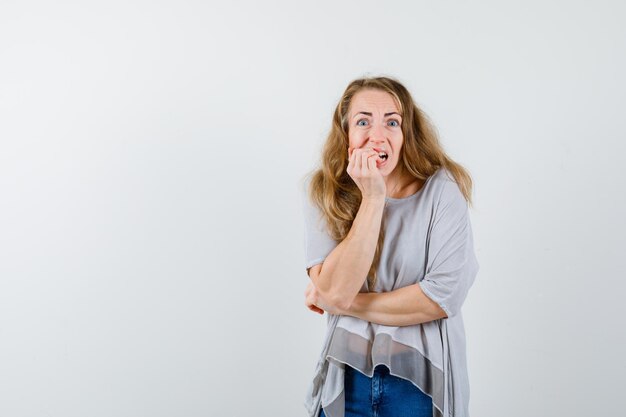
(377, 133)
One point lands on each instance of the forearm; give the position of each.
(346, 267)
(402, 307)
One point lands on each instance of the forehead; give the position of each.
(370, 100)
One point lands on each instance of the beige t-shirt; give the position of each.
(428, 240)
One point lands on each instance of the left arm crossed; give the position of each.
(402, 307)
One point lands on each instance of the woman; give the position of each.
(390, 256)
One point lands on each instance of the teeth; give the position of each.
(383, 155)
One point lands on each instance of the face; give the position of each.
(374, 122)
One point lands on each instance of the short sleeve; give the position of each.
(317, 241)
(451, 265)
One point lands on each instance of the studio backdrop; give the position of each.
(151, 227)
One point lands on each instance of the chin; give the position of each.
(387, 169)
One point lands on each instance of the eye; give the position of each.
(359, 121)
(396, 123)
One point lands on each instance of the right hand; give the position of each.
(311, 299)
(314, 301)
(363, 170)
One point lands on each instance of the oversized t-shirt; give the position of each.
(428, 240)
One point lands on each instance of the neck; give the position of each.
(397, 183)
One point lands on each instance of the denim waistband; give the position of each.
(381, 368)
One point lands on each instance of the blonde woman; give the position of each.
(390, 256)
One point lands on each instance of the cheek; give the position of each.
(355, 137)
(398, 143)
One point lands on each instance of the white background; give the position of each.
(151, 234)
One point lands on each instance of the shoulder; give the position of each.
(442, 176)
(446, 190)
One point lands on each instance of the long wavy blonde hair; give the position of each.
(335, 192)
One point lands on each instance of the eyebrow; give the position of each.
(370, 114)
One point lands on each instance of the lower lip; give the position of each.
(380, 164)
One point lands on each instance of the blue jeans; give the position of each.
(383, 395)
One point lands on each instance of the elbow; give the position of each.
(331, 295)
(440, 303)
(337, 300)
(343, 303)
(431, 313)
(441, 311)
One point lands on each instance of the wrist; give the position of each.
(373, 201)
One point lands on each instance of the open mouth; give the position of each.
(382, 159)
